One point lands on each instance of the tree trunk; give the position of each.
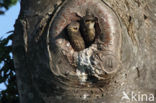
(120, 62)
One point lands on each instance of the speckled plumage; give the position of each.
(75, 36)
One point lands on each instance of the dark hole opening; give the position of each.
(84, 33)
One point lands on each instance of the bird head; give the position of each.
(89, 21)
(73, 27)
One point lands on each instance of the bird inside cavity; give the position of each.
(88, 28)
(82, 33)
(75, 37)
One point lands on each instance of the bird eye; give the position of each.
(75, 28)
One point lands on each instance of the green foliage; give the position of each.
(7, 73)
(7, 70)
(6, 4)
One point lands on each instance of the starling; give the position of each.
(75, 36)
(88, 29)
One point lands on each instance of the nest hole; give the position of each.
(85, 32)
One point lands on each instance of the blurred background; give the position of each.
(9, 11)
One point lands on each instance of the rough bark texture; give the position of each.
(45, 75)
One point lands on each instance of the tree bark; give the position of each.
(49, 70)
